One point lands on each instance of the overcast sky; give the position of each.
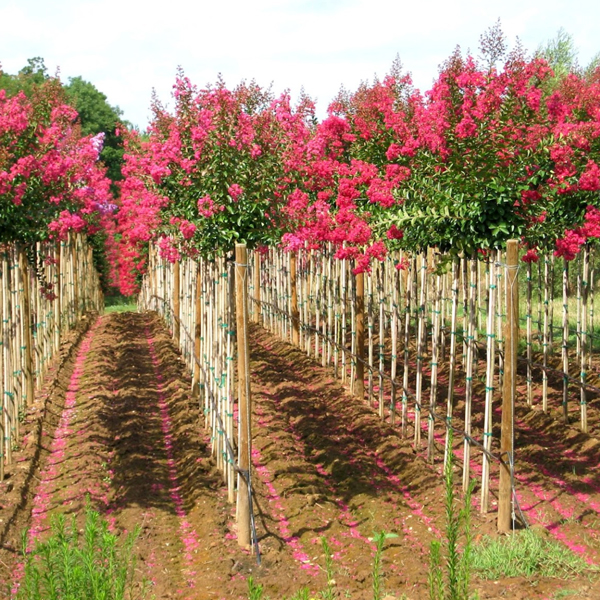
(127, 47)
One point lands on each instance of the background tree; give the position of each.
(98, 116)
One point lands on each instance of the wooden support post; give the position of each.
(359, 386)
(509, 388)
(176, 304)
(294, 299)
(244, 399)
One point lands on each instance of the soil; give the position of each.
(116, 423)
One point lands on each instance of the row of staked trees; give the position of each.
(60, 162)
(503, 145)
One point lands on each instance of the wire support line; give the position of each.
(244, 474)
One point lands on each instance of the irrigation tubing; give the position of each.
(396, 385)
(244, 474)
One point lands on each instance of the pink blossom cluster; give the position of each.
(49, 172)
(499, 138)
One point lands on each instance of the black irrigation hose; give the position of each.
(395, 384)
(509, 463)
(244, 474)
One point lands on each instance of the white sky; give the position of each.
(127, 47)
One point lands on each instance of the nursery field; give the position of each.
(116, 423)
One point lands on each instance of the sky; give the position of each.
(127, 48)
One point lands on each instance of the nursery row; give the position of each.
(407, 340)
(43, 293)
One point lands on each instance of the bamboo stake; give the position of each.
(360, 335)
(27, 337)
(380, 278)
(370, 335)
(584, 336)
(529, 318)
(409, 295)
(435, 352)
(396, 279)
(545, 336)
(489, 390)
(420, 352)
(452, 365)
(469, 373)
(565, 340)
(294, 300)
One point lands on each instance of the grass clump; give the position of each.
(526, 553)
(87, 565)
(119, 304)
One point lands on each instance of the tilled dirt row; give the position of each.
(127, 435)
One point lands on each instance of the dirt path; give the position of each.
(123, 430)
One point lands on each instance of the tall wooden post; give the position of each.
(197, 329)
(176, 304)
(294, 299)
(244, 399)
(359, 385)
(509, 388)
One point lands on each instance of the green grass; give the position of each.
(526, 553)
(91, 564)
(119, 304)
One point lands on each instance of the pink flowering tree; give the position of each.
(50, 180)
(209, 175)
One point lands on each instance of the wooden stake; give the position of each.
(244, 402)
(565, 341)
(294, 299)
(489, 390)
(27, 337)
(197, 329)
(359, 386)
(176, 304)
(509, 391)
(584, 335)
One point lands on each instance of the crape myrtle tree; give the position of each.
(51, 182)
(207, 176)
(94, 112)
(500, 147)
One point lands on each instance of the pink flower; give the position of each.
(207, 208)
(590, 178)
(393, 233)
(531, 256)
(235, 191)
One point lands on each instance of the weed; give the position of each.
(564, 594)
(527, 553)
(88, 566)
(255, 590)
(329, 593)
(119, 304)
(458, 565)
(379, 539)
